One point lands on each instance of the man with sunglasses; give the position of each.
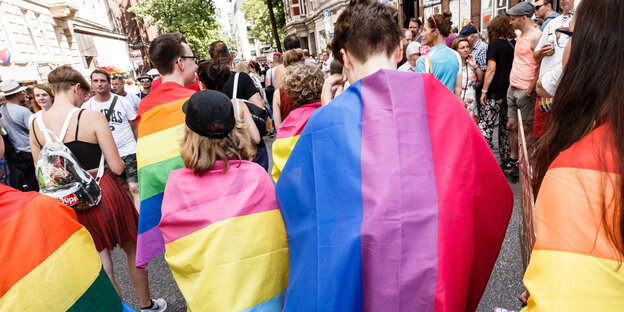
(544, 11)
(146, 84)
(548, 53)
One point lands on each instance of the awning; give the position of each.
(20, 73)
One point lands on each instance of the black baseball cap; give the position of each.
(209, 113)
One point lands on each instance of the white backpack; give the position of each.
(61, 176)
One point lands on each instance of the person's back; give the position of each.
(442, 62)
(500, 51)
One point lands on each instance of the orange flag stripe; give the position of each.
(162, 117)
(16, 251)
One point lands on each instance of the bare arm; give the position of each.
(256, 100)
(277, 116)
(540, 89)
(457, 88)
(487, 80)
(105, 141)
(248, 122)
(279, 72)
(534, 42)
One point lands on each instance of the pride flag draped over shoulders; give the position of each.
(574, 266)
(161, 125)
(288, 134)
(227, 247)
(48, 261)
(392, 201)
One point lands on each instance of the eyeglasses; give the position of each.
(562, 35)
(195, 58)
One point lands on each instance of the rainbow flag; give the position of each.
(161, 126)
(48, 261)
(392, 201)
(574, 266)
(227, 247)
(288, 134)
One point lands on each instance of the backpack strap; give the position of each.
(111, 107)
(235, 89)
(100, 171)
(46, 132)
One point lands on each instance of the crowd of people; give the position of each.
(384, 195)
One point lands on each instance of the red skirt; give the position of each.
(114, 221)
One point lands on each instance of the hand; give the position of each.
(524, 297)
(471, 61)
(483, 98)
(545, 50)
(332, 87)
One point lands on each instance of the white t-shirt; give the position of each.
(549, 36)
(551, 79)
(119, 122)
(133, 99)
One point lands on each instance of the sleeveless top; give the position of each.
(87, 154)
(523, 69)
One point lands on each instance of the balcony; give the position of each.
(63, 9)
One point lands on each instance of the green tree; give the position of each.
(195, 19)
(257, 14)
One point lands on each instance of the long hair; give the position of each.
(590, 93)
(47, 89)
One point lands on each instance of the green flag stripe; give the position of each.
(100, 296)
(152, 178)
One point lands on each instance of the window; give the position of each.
(491, 8)
(461, 12)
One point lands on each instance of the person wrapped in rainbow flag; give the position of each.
(391, 197)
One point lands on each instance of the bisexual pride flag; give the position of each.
(161, 127)
(574, 265)
(225, 238)
(392, 201)
(288, 134)
(48, 261)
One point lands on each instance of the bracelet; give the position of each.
(484, 90)
(528, 94)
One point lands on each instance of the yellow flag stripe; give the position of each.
(159, 146)
(565, 281)
(233, 264)
(59, 281)
(281, 151)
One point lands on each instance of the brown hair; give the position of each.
(591, 59)
(63, 77)
(165, 50)
(442, 22)
(213, 75)
(366, 28)
(499, 28)
(200, 153)
(303, 83)
(291, 42)
(456, 42)
(47, 89)
(241, 67)
(100, 71)
(293, 56)
(219, 52)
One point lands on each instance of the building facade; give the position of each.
(38, 36)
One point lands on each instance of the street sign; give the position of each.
(328, 24)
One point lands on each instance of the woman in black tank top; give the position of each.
(114, 221)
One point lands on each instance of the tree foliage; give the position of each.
(257, 14)
(195, 19)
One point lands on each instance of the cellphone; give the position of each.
(335, 67)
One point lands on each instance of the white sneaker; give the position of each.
(158, 305)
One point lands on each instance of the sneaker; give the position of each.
(158, 305)
(515, 172)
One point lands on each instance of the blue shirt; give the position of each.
(548, 19)
(446, 64)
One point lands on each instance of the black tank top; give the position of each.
(87, 154)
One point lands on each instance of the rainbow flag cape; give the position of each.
(392, 201)
(48, 261)
(288, 134)
(161, 126)
(227, 247)
(574, 266)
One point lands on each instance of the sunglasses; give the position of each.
(563, 35)
(537, 7)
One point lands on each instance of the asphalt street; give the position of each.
(503, 288)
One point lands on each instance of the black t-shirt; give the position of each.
(502, 52)
(246, 86)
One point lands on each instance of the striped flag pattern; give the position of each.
(161, 125)
(574, 266)
(48, 261)
(225, 238)
(392, 201)
(288, 134)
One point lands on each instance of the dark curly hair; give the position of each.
(499, 28)
(303, 83)
(213, 74)
(365, 28)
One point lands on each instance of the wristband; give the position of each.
(484, 90)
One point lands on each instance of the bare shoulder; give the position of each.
(93, 118)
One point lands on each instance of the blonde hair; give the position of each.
(63, 77)
(241, 67)
(293, 56)
(303, 83)
(200, 153)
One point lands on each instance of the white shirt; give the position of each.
(549, 36)
(551, 78)
(119, 122)
(406, 67)
(133, 99)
